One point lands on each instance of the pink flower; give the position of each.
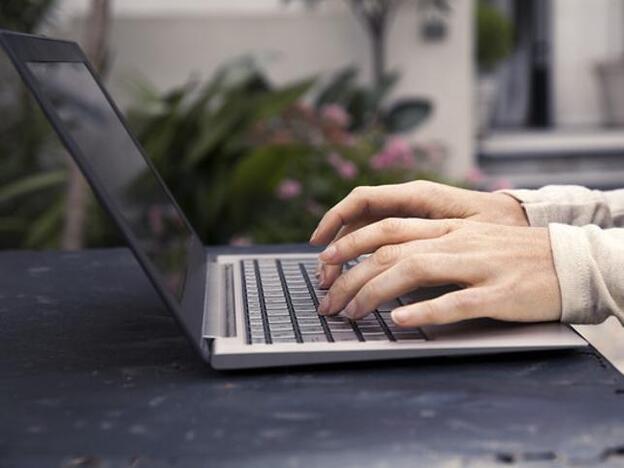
(475, 176)
(155, 218)
(335, 114)
(288, 189)
(315, 208)
(347, 170)
(304, 108)
(241, 241)
(396, 154)
(433, 151)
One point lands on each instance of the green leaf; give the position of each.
(11, 224)
(31, 184)
(44, 231)
(361, 109)
(494, 33)
(24, 16)
(260, 171)
(256, 177)
(256, 83)
(379, 93)
(407, 114)
(214, 133)
(365, 103)
(276, 102)
(339, 89)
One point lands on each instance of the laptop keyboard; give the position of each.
(281, 300)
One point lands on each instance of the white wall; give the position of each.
(168, 43)
(585, 33)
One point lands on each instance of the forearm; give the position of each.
(571, 204)
(589, 264)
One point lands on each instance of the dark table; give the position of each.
(94, 373)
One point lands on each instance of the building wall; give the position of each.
(167, 42)
(585, 33)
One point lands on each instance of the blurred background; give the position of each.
(257, 110)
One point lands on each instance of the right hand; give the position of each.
(421, 199)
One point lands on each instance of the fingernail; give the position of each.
(317, 272)
(351, 310)
(322, 278)
(323, 308)
(313, 235)
(399, 316)
(329, 252)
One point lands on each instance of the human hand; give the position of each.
(504, 272)
(422, 199)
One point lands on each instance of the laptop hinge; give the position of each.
(219, 318)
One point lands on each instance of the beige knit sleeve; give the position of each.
(589, 260)
(590, 268)
(571, 204)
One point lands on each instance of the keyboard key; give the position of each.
(314, 338)
(312, 331)
(281, 334)
(408, 335)
(339, 325)
(306, 313)
(279, 319)
(372, 330)
(275, 300)
(346, 335)
(388, 306)
(375, 336)
(278, 327)
(284, 339)
(307, 321)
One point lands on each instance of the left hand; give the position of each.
(505, 272)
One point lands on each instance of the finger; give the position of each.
(450, 308)
(329, 273)
(351, 281)
(388, 231)
(362, 202)
(416, 271)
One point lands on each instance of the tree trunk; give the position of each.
(96, 27)
(375, 16)
(378, 39)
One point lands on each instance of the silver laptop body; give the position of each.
(239, 311)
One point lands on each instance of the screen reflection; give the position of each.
(119, 167)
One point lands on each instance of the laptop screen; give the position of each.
(119, 166)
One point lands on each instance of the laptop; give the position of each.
(238, 311)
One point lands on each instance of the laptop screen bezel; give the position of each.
(189, 309)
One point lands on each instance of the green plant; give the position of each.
(198, 136)
(494, 36)
(23, 15)
(31, 176)
(367, 105)
(237, 151)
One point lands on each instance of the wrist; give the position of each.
(512, 211)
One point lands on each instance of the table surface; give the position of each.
(94, 372)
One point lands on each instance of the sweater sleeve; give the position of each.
(589, 262)
(570, 204)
